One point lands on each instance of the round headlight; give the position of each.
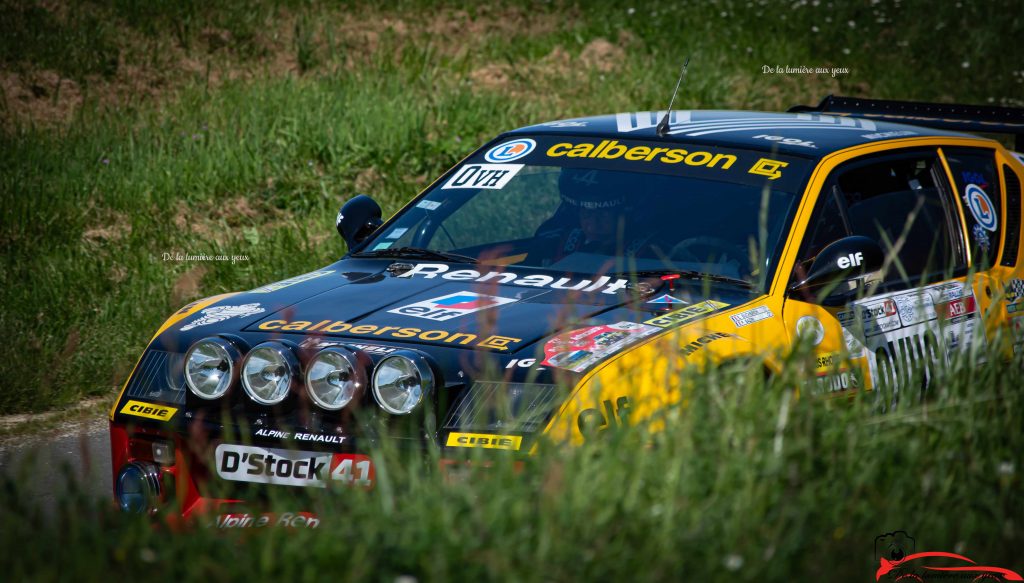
(209, 367)
(400, 381)
(138, 487)
(333, 377)
(267, 373)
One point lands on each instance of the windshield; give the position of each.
(587, 205)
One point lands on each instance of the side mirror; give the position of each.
(358, 218)
(846, 260)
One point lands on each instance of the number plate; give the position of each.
(317, 469)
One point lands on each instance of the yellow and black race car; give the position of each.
(555, 281)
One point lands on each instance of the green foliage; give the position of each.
(748, 482)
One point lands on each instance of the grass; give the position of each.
(748, 483)
(239, 130)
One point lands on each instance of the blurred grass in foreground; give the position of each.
(748, 483)
(133, 129)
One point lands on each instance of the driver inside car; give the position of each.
(595, 217)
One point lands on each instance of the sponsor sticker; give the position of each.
(242, 463)
(981, 207)
(401, 332)
(915, 307)
(510, 151)
(290, 281)
(883, 135)
(1014, 295)
(485, 441)
(604, 284)
(221, 313)
(300, 436)
(687, 313)
(811, 328)
(957, 311)
(1017, 332)
(699, 343)
(489, 176)
(608, 415)
(877, 317)
(268, 519)
(612, 150)
(787, 141)
(428, 205)
(580, 349)
(667, 300)
(451, 306)
(148, 410)
(750, 316)
(565, 124)
(319, 343)
(768, 167)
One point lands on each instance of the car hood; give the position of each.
(505, 310)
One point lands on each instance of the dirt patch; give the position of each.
(602, 55)
(368, 180)
(188, 285)
(113, 228)
(460, 27)
(491, 77)
(236, 209)
(40, 97)
(219, 221)
(155, 68)
(558, 66)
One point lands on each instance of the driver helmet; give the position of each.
(584, 188)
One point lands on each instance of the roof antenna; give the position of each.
(662, 128)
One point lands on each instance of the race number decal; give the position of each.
(241, 463)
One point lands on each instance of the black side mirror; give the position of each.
(358, 218)
(846, 260)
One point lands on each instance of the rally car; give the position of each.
(551, 285)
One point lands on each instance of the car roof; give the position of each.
(803, 134)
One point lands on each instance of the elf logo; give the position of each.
(291, 468)
(851, 260)
(451, 306)
(591, 421)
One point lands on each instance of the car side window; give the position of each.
(901, 202)
(977, 185)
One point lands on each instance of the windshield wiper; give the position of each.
(417, 253)
(686, 274)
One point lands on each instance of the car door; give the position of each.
(892, 330)
(989, 190)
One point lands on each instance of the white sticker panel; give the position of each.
(488, 176)
(243, 463)
(750, 316)
(911, 332)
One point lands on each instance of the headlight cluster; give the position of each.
(333, 377)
